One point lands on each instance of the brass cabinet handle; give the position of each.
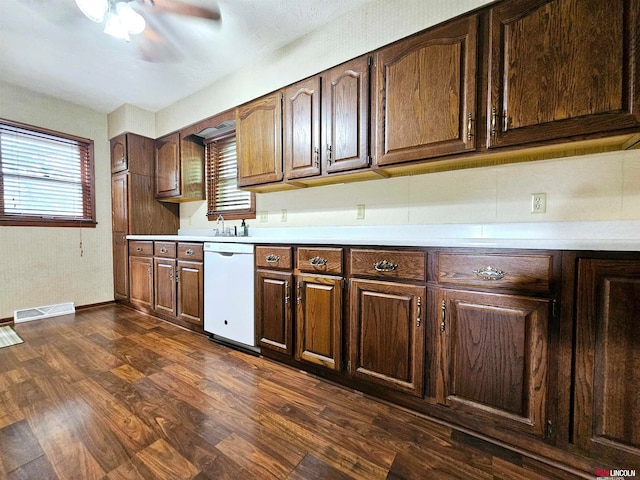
(299, 299)
(171, 273)
(329, 154)
(489, 273)
(494, 123)
(189, 251)
(138, 249)
(271, 258)
(469, 128)
(385, 266)
(318, 262)
(286, 292)
(163, 250)
(443, 324)
(177, 275)
(316, 156)
(419, 320)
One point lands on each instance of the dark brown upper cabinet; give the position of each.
(346, 117)
(301, 132)
(562, 68)
(133, 153)
(426, 94)
(179, 168)
(259, 141)
(119, 153)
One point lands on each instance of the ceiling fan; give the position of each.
(122, 20)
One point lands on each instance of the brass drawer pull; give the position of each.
(318, 262)
(138, 249)
(385, 266)
(163, 250)
(271, 258)
(489, 273)
(189, 251)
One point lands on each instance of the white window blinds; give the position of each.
(45, 177)
(224, 197)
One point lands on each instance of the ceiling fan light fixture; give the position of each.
(115, 28)
(130, 20)
(94, 10)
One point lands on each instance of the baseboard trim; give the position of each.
(9, 320)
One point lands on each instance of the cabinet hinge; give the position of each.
(370, 159)
(548, 430)
(555, 308)
(370, 61)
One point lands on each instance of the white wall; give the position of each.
(45, 265)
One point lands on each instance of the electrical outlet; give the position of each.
(283, 215)
(538, 202)
(360, 212)
(264, 216)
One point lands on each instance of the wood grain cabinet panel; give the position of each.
(607, 391)
(274, 257)
(319, 260)
(190, 292)
(259, 141)
(493, 361)
(141, 281)
(560, 68)
(387, 334)
(120, 266)
(389, 264)
(425, 99)
(319, 320)
(179, 168)
(119, 153)
(164, 286)
(301, 129)
(274, 311)
(346, 118)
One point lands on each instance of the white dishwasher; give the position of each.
(228, 293)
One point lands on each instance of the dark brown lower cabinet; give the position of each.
(273, 310)
(190, 292)
(164, 285)
(493, 358)
(607, 360)
(141, 281)
(120, 266)
(387, 335)
(319, 320)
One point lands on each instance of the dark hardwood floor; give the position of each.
(109, 393)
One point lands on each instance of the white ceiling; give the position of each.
(50, 47)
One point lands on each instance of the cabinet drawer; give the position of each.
(164, 249)
(273, 257)
(325, 260)
(389, 264)
(190, 251)
(521, 272)
(140, 248)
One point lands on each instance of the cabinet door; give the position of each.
(118, 153)
(190, 291)
(494, 358)
(168, 166)
(345, 105)
(425, 100)
(141, 281)
(607, 365)
(560, 68)
(273, 303)
(259, 141)
(120, 202)
(120, 266)
(319, 320)
(301, 135)
(387, 336)
(164, 283)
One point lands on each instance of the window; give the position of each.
(223, 196)
(46, 178)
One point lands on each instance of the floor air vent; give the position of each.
(37, 313)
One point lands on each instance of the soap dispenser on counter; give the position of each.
(243, 231)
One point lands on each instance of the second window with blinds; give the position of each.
(223, 196)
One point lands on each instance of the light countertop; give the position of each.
(614, 235)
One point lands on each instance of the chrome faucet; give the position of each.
(218, 231)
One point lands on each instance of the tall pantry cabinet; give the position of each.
(135, 211)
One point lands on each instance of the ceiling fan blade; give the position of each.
(181, 8)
